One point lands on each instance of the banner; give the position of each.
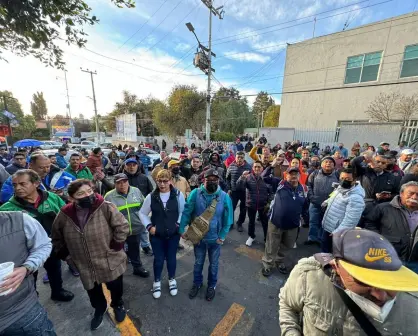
(126, 128)
(62, 131)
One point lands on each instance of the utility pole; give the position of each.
(68, 96)
(217, 12)
(94, 101)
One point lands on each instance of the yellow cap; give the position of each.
(172, 162)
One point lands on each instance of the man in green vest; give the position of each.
(76, 169)
(43, 206)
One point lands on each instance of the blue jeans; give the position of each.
(143, 237)
(214, 251)
(165, 249)
(315, 225)
(34, 323)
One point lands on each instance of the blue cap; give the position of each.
(131, 160)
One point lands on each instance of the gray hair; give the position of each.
(33, 175)
(409, 184)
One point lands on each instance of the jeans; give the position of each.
(165, 249)
(315, 223)
(133, 250)
(214, 251)
(413, 266)
(251, 221)
(53, 270)
(239, 196)
(326, 242)
(34, 323)
(97, 298)
(143, 237)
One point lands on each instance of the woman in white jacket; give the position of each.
(344, 208)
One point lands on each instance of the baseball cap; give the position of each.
(131, 160)
(173, 162)
(384, 144)
(407, 152)
(328, 158)
(120, 177)
(292, 170)
(280, 152)
(370, 258)
(211, 172)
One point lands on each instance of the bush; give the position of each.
(222, 136)
(41, 134)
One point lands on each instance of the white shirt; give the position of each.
(146, 206)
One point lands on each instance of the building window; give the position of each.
(363, 68)
(410, 61)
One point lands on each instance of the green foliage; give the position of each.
(41, 134)
(60, 120)
(38, 106)
(272, 116)
(222, 136)
(261, 104)
(26, 126)
(34, 26)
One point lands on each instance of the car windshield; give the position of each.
(150, 151)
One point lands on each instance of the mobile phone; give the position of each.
(335, 184)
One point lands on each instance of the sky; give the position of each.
(148, 49)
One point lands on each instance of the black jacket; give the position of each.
(234, 172)
(13, 168)
(390, 220)
(165, 218)
(141, 181)
(257, 190)
(192, 176)
(408, 178)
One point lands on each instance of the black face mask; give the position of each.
(176, 170)
(340, 147)
(346, 184)
(87, 202)
(211, 186)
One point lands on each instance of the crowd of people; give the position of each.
(75, 211)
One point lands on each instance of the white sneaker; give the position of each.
(156, 290)
(249, 241)
(172, 285)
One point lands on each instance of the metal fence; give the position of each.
(409, 131)
(323, 137)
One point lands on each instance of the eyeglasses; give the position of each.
(380, 162)
(163, 181)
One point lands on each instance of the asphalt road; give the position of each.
(245, 302)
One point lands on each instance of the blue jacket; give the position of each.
(145, 160)
(288, 205)
(344, 209)
(198, 201)
(61, 162)
(50, 182)
(343, 151)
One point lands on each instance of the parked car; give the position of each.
(106, 145)
(51, 145)
(153, 155)
(84, 144)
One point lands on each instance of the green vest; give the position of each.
(84, 173)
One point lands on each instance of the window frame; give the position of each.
(362, 67)
(403, 60)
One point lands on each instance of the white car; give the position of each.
(153, 155)
(51, 145)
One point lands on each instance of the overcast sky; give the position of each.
(249, 55)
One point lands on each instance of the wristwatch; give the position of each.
(29, 270)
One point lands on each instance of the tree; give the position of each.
(38, 106)
(262, 102)
(34, 26)
(185, 109)
(407, 107)
(271, 119)
(60, 120)
(230, 93)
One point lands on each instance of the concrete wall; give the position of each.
(320, 63)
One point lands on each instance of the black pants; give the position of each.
(97, 298)
(53, 270)
(239, 196)
(326, 242)
(133, 250)
(251, 221)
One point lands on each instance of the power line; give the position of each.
(153, 30)
(148, 20)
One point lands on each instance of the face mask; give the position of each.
(211, 186)
(346, 184)
(370, 308)
(340, 147)
(390, 166)
(176, 170)
(86, 202)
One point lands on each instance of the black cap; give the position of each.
(120, 177)
(293, 170)
(211, 172)
(328, 158)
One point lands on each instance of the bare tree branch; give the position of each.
(384, 107)
(407, 107)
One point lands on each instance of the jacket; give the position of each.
(13, 168)
(234, 172)
(309, 293)
(344, 209)
(61, 162)
(129, 206)
(192, 176)
(4, 175)
(94, 162)
(140, 181)
(178, 182)
(320, 186)
(253, 155)
(145, 160)
(90, 248)
(197, 203)
(46, 211)
(257, 191)
(82, 173)
(390, 220)
(288, 205)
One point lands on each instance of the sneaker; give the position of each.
(141, 271)
(266, 272)
(210, 293)
(120, 313)
(194, 291)
(45, 278)
(156, 290)
(73, 271)
(147, 251)
(240, 229)
(97, 320)
(180, 247)
(283, 269)
(249, 241)
(63, 296)
(172, 285)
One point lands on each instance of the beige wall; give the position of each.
(320, 63)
